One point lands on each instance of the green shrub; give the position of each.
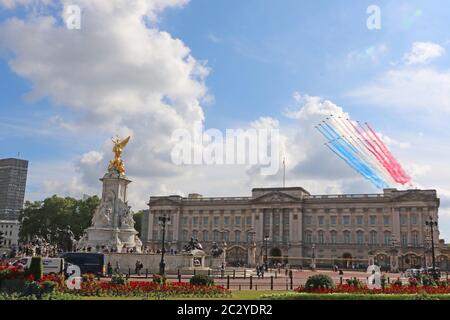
(201, 280)
(12, 286)
(36, 268)
(319, 281)
(428, 281)
(118, 278)
(355, 283)
(158, 279)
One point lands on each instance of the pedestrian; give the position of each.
(117, 267)
(109, 269)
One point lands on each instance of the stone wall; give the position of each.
(151, 261)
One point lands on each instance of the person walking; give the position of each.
(109, 269)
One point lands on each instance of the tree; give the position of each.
(138, 216)
(49, 218)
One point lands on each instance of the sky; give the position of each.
(146, 68)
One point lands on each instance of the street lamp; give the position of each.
(266, 240)
(432, 224)
(313, 256)
(162, 265)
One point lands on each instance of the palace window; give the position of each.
(226, 236)
(359, 220)
(215, 235)
(308, 237)
(226, 220)
(373, 220)
(249, 237)
(333, 235)
(205, 221)
(333, 220)
(205, 235)
(308, 219)
(321, 237)
(404, 239)
(185, 221)
(195, 234)
(386, 220)
(346, 220)
(185, 235)
(347, 237)
(387, 238)
(237, 236)
(414, 219)
(321, 220)
(360, 237)
(195, 221)
(248, 220)
(216, 221)
(373, 237)
(237, 221)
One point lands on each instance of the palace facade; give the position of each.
(290, 225)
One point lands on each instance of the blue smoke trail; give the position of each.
(347, 152)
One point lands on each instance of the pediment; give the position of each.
(275, 197)
(163, 202)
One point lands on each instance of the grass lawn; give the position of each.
(289, 295)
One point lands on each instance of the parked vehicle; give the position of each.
(88, 262)
(51, 265)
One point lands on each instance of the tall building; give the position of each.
(13, 178)
(290, 225)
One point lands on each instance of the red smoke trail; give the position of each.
(369, 146)
(400, 170)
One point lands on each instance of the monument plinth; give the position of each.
(112, 226)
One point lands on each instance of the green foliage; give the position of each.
(36, 268)
(346, 296)
(43, 217)
(158, 279)
(355, 283)
(428, 281)
(12, 285)
(118, 278)
(138, 216)
(201, 280)
(319, 281)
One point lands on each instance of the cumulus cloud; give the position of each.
(371, 54)
(423, 52)
(425, 89)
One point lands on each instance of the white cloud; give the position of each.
(371, 54)
(408, 89)
(423, 52)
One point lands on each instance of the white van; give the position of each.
(51, 265)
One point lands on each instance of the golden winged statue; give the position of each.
(117, 164)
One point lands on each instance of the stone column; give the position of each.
(151, 216)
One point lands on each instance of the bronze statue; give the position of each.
(117, 164)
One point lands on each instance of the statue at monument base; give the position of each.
(112, 228)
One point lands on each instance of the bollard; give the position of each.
(146, 273)
(195, 271)
(228, 281)
(292, 281)
(251, 282)
(179, 278)
(234, 274)
(239, 287)
(256, 287)
(209, 272)
(287, 284)
(340, 279)
(389, 280)
(129, 272)
(245, 274)
(271, 282)
(276, 275)
(222, 273)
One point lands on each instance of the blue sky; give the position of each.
(258, 54)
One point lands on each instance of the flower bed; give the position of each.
(394, 289)
(149, 289)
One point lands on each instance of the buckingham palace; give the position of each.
(290, 225)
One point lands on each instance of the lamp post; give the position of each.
(266, 240)
(432, 224)
(162, 265)
(313, 256)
